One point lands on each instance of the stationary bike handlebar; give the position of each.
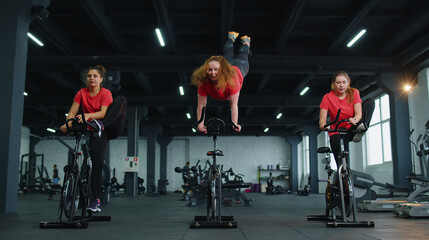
(337, 124)
(82, 127)
(214, 124)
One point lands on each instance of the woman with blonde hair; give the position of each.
(346, 98)
(221, 77)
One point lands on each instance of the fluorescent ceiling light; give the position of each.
(266, 129)
(188, 115)
(304, 91)
(359, 35)
(66, 114)
(159, 35)
(279, 115)
(25, 94)
(35, 39)
(182, 92)
(50, 130)
(193, 130)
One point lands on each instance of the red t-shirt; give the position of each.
(93, 104)
(332, 103)
(209, 88)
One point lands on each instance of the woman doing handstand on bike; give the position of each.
(346, 98)
(96, 103)
(221, 77)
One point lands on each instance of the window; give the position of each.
(377, 138)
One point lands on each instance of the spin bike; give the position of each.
(340, 194)
(214, 218)
(76, 190)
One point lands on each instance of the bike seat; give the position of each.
(215, 152)
(324, 150)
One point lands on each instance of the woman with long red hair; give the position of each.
(221, 77)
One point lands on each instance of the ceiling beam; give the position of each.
(292, 15)
(95, 10)
(62, 80)
(227, 11)
(177, 101)
(143, 80)
(183, 63)
(412, 52)
(263, 82)
(351, 25)
(55, 35)
(415, 22)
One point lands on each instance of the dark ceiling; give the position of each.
(294, 44)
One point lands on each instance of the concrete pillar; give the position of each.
(312, 132)
(151, 132)
(15, 17)
(392, 84)
(294, 141)
(162, 182)
(134, 116)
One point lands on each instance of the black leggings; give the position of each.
(241, 60)
(367, 111)
(113, 122)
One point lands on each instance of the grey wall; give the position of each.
(242, 154)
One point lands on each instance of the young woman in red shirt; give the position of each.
(221, 77)
(97, 104)
(346, 98)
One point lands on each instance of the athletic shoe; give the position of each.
(361, 129)
(95, 206)
(233, 35)
(100, 127)
(245, 38)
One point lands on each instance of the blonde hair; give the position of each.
(225, 75)
(350, 91)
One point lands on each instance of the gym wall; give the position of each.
(243, 154)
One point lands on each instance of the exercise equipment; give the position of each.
(214, 218)
(402, 206)
(75, 192)
(417, 204)
(340, 192)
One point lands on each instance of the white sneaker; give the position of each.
(361, 129)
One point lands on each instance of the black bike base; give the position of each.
(93, 218)
(79, 224)
(330, 222)
(350, 224)
(318, 218)
(202, 222)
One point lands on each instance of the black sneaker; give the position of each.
(95, 206)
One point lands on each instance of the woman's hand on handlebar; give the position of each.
(322, 127)
(79, 118)
(353, 121)
(202, 128)
(63, 128)
(237, 127)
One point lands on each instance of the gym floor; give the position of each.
(164, 217)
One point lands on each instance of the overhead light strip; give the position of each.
(159, 35)
(182, 92)
(304, 91)
(359, 35)
(35, 39)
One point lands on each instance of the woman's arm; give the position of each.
(202, 101)
(72, 113)
(323, 116)
(233, 102)
(97, 115)
(358, 113)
